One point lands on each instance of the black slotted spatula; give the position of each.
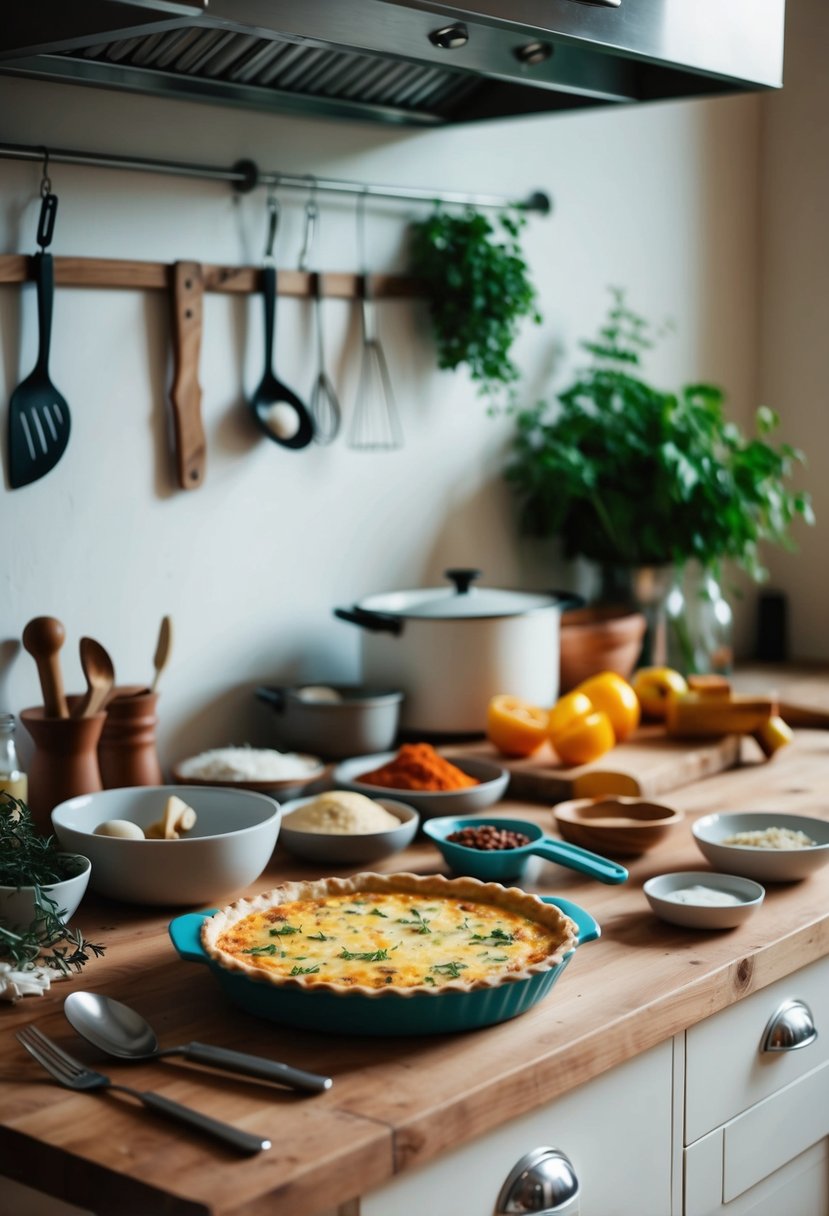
(38, 415)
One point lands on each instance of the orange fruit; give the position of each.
(514, 726)
(615, 697)
(585, 739)
(566, 711)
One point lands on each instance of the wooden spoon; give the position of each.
(100, 677)
(162, 650)
(43, 638)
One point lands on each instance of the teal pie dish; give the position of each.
(508, 865)
(386, 1013)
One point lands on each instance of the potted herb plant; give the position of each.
(635, 478)
(479, 290)
(40, 888)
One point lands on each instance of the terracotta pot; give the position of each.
(604, 637)
(64, 762)
(126, 751)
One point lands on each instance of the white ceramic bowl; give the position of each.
(338, 849)
(290, 787)
(17, 904)
(492, 784)
(228, 848)
(699, 915)
(766, 865)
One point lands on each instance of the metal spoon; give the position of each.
(100, 676)
(120, 1031)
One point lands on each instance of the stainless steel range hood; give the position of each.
(401, 61)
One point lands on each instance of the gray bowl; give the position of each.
(492, 784)
(363, 721)
(340, 849)
(765, 865)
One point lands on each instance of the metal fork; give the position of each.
(68, 1071)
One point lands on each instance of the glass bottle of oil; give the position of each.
(12, 778)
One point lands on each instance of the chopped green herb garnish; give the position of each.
(304, 970)
(377, 912)
(269, 949)
(284, 931)
(420, 922)
(454, 969)
(497, 937)
(318, 937)
(366, 956)
(429, 979)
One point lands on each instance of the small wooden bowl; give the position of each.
(620, 827)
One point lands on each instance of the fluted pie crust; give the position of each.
(399, 933)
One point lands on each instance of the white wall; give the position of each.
(660, 199)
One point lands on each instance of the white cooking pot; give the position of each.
(450, 649)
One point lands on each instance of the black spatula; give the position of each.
(38, 415)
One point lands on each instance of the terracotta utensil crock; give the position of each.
(126, 751)
(64, 762)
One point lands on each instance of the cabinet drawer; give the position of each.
(725, 1070)
(778, 1147)
(617, 1131)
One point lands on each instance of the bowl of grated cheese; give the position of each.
(764, 845)
(341, 827)
(260, 769)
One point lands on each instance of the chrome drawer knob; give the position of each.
(543, 1182)
(789, 1027)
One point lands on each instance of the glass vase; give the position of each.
(657, 593)
(704, 630)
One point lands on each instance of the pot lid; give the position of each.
(459, 600)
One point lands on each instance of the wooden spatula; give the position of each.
(185, 391)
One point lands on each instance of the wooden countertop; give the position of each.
(396, 1103)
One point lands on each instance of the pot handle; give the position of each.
(375, 622)
(273, 696)
(568, 599)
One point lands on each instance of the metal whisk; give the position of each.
(375, 425)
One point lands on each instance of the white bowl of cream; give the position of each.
(700, 899)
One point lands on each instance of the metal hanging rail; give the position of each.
(246, 175)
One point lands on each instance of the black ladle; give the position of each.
(271, 394)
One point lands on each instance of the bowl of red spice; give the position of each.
(433, 784)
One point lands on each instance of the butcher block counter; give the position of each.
(397, 1103)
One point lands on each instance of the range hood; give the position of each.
(401, 61)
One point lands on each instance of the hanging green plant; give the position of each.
(479, 290)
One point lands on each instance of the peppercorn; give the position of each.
(488, 837)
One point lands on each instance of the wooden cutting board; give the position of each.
(645, 766)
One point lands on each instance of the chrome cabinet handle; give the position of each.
(542, 1182)
(789, 1027)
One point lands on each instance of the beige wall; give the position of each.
(793, 353)
(661, 199)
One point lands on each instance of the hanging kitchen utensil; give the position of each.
(38, 415)
(100, 676)
(375, 425)
(278, 411)
(323, 405)
(43, 637)
(187, 292)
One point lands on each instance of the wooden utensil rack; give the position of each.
(226, 280)
(185, 283)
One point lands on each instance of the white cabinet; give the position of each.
(617, 1131)
(757, 1123)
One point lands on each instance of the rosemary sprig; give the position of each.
(28, 859)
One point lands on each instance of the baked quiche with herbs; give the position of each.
(375, 933)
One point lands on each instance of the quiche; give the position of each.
(403, 933)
